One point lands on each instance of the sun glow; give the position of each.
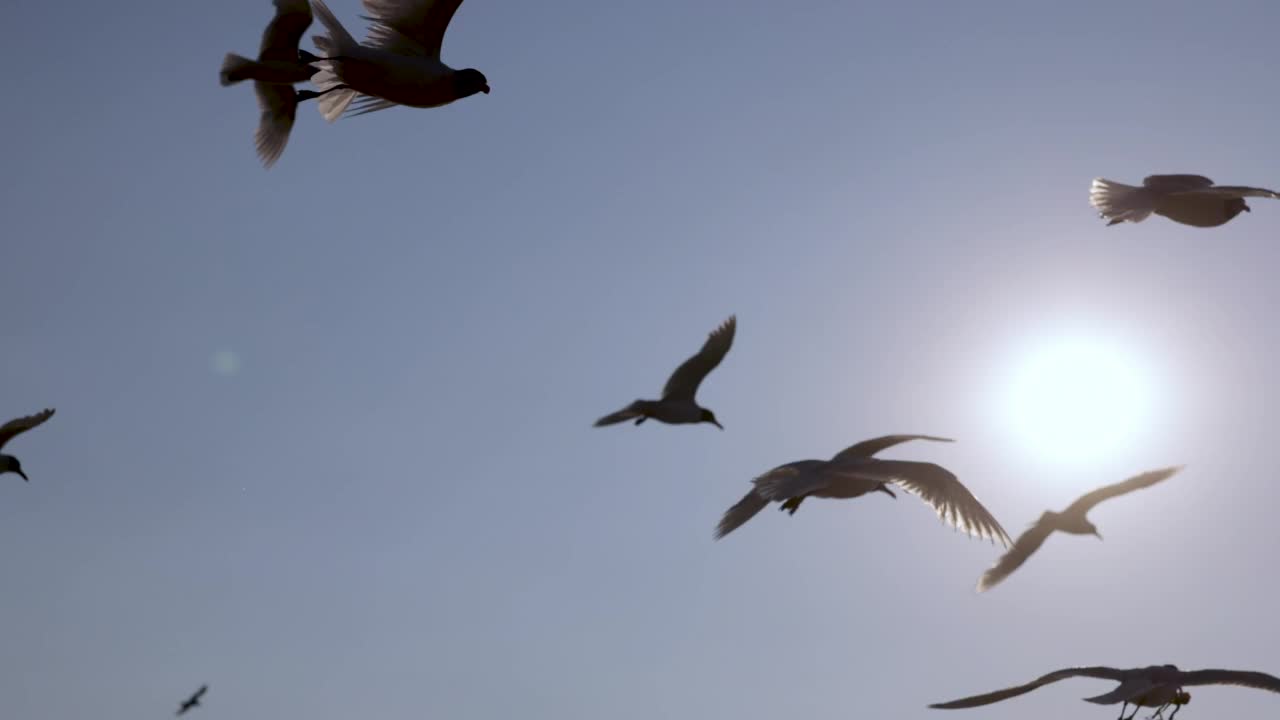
(1076, 400)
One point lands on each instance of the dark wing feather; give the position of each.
(1243, 678)
(1176, 183)
(1239, 191)
(1028, 542)
(867, 448)
(278, 108)
(629, 412)
(283, 34)
(14, 428)
(1104, 673)
(684, 382)
(941, 489)
(742, 511)
(1137, 482)
(422, 21)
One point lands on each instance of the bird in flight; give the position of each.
(194, 700)
(14, 428)
(1187, 199)
(1157, 686)
(854, 472)
(677, 405)
(397, 64)
(1073, 520)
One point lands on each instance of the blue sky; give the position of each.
(396, 506)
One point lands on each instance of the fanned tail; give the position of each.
(235, 69)
(334, 45)
(1118, 202)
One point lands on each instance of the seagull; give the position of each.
(14, 428)
(1188, 199)
(194, 700)
(854, 472)
(397, 64)
(1157, 686)
(677, 405)
(1073, 520)
(280, 64)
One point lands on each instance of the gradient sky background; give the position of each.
(396, 506)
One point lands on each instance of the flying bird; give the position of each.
(854, 472)
(194, 700)
(280, 64)
(1157, 686)
(1073, 520)
(677, 405)
(1188, 199)
(14, 428)
(397, 64)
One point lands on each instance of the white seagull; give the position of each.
(1187, 199)
(854, 472)
(14, 428)
(678, 405)
(279, 66)
(397, 64)
(1157, 686)
(1073, 520)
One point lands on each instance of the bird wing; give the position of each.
(279, 106)
(409, 27)
(1129, 690)
(684, 382)
(1137, 482)
(942, 490)
(1257, 680)
(867, 448)
(14, 428)
(1028, 542)
(283, 34)
(742, 511)
(1237, 191)
(629, 412)
(365, 104)
(795, 479)
(1104, 673)
(1176, 183)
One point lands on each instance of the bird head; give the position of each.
(710, 417)
(12, 465)
(469, 82)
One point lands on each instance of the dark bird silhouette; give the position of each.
(14, 428)
(677, 405)
(853, 472)
(1073, 520)
(194, 700)
(1157, 686)
(1187, 199)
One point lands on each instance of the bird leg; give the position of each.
(1125, 706)
(885, 489)
(312, 94)
(641, 419)
(792, 504)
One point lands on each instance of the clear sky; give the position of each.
(324, 433)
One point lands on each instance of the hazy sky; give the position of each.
(324, 433)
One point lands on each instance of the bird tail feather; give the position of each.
(337, 43)
(1118, 202)
(236, 68)
(744, 510)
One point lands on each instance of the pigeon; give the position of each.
(1157, 686)
(1188, 199)
(677, 405)
(280, 64)
(194, 700)
(853, 472)
(397, 64)
(14, 428)
(1073, 520)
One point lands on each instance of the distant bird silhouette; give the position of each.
(1157, 686)
(677, 405)
(397, 64)
(854, 472)
(1187, 199)
(279, 66)
(194, 700)
(14, 428)
(1073, 520)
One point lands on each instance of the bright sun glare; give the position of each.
(1075, 400)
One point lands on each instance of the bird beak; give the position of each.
(1095, 532)
(1246, 209)
(717, 424)
(485, 90)
(24, 475)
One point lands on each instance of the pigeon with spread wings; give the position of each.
(1073, 520)
(14, 428)
(1188, 199)
(678, 405)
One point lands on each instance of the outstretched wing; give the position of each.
(1239, 191)
(629, 412)
(742, 511)
(1028, 542)
(283, 34)
(1104, 673)
(1176, 183)
(1137, 482)
(14, 428)
(278, 105)
(943, 491)
(867, 448)
(684, 382)
(409, 27)
(1242, 678)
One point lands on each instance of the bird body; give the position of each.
(193, 701)
(1188, 199)
(14, 428)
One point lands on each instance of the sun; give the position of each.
(1077, 399)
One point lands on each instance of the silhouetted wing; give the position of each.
(1137, 482)
(200, 693)
(1242, 678)
(279, 108)
(684, 382)
(1104, 673)
(742, 511)
(1176, 183)
(283, 34)
(627, 413)
(867, 448)
(1028, 542)
(943, 491)
(795, 479)
(14, 428)
(1239, 191)
(409, 27)
(1130, 689)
